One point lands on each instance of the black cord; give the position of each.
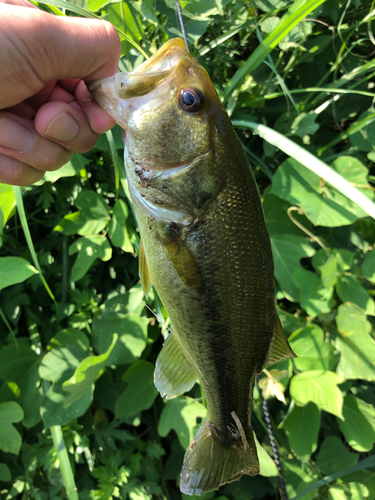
(275, 452)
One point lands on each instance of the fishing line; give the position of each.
(182, 24)
(275, 451)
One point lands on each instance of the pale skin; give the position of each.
(46, 113)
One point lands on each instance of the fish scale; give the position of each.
(205, 248)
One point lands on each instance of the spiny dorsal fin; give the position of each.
(144, 273)
(281, 348)
(174, 371)
(182, 259)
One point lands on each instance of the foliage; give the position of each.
(84, 362)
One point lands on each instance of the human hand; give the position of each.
(46, 113)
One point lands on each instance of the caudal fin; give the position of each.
(210, 463)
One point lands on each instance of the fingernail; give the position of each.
(62, 128)
(15, 136)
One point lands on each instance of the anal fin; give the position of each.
(281, 349)
(144, 273)
(174, 371)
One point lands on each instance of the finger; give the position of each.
(17, 173)
(67, 125)
(20, 141)
(61, 95)
(40, 47)
(99, 120)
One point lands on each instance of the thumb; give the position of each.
(38, 47)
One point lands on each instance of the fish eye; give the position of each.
(191, 100)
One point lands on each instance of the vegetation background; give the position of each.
(77, 342)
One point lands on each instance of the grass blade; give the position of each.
(311, 162)
(30, 244)
(294, 15)
(367, 463)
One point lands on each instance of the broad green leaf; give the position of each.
(344, 260)
(181, 414)
(287, 251)
(140, 392)
(5, 474)
(352, 491)
(70, 336)
(19, 365)
(313, 353)
(87, 372)
(124, 17)
(118, 306)
(349, 290)
(304, 124)
(10, 438)
(57, 366)
(357, 348)
(368, 266)
(89, 220)
(7, 204)
(290, 322)
(14, 270)
(365, 477)
(277, 220)
(73, 167)
(89, 249)
(364, 139)
(132, 337)
(358, 425)
(302, 427)
(297, 477)
(334, 456)
(329, 271)
(266, 465)
(323, 205)
(314, 298)
(117, 227)
(319, 387)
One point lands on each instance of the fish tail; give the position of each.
(211, 462)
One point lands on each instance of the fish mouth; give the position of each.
(126, 92)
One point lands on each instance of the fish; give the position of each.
(204, 247)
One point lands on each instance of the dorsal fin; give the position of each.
(280, 349)
(144, 273)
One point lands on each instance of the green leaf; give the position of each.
(73, 167)
(364, 139)
(181, 414)
(357, 348)
(302, 427)
(277, 219)
(368, 266)
(287, 251)
(349, 290)
(117, 227)
(5, 474)
(319, 387)
(10, 438)
(132, 337)
(333, 456)
(323, 205)
(87, 372)
(70, 336)
(266, 465)
(352, 491)
(19, 365)
(140, 392)
(358, 425)
(89, 249)
(314, 297)
(14, 270)
(313, 353)
(7, 204)
(89, 220)
(118, 306)
(57, 366)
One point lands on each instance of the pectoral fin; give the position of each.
(182, 259)
(174, 371)
(143, 270)
(281, 348)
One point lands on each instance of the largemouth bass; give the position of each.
(205, 248)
